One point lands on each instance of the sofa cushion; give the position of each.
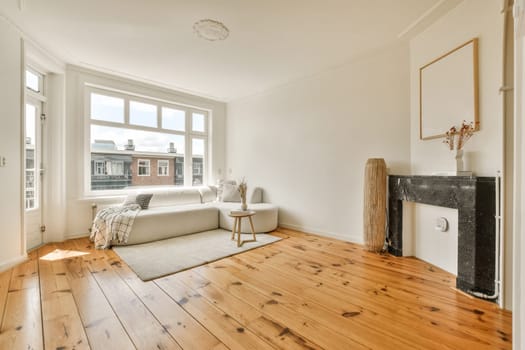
(208, 193)
(220, 187)
(230, 193)
(159, 223)
(256, 195)
(176, 196)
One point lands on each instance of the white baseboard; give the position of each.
(352, 239)
(75, 236)
(12, 262)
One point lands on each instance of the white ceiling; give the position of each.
(271, 42)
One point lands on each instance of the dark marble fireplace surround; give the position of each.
(474, 197)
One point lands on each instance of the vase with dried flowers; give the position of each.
(456, 139)
(242, 187)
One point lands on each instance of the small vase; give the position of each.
(459, 160)
(244, 206)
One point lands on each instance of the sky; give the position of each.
(111, 109)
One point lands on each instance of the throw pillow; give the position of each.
(130, 199)
(140, 199)
(220, 187)
(143, 200)
(230, 193)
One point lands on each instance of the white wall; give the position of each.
(78, 219)
(306, 143)
(11, 247)
(484, 151)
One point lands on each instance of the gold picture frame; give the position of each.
(449, 91)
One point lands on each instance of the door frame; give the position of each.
(38, 99)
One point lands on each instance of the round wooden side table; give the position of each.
(237, 215)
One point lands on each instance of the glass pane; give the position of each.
(179, 171)
(197, 148)
(173, 119)
(142, 114)
(198, 122)
(30, 126)
(30, 157)
(32, 81)
(107, 108)
(122, 158)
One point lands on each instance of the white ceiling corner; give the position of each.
(271, 42)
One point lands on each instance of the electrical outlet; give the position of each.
(441, 224)
(3, 162)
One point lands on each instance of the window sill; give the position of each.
(113, 196)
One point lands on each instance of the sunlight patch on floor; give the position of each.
(59, 254)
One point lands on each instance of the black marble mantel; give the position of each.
(474, 197)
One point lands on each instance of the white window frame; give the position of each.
(96, 168)
(128, 96)
(41, 84)
(38, 99)
(196, 173)
(114, 162)
(166, 165)
(148, 162)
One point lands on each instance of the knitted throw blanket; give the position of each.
(113, 224)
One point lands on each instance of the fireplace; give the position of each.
(474, 197)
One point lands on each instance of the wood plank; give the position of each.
(22, 323)
(304, 292)
(189, 333)
(62, 326)
(5, 278)
(316, 287)
(354, 324)
(420, 303)
(102, 326)
(25, 275)
(334, 331)
(227, 329)
(352, 271)
(263, 325)
(284, 314)
(144, 330)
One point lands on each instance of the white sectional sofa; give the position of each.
(176, 212)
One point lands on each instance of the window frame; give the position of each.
(188, 134)
(167, 166)
(148, 161)
(41, 83)
(96, 168)
(39, 100)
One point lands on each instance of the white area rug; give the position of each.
(161, 258)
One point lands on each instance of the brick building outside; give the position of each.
(113, 169)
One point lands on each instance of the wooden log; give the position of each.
(374, 217)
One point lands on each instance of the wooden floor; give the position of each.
(304, 292)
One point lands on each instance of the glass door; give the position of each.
(32, 180)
